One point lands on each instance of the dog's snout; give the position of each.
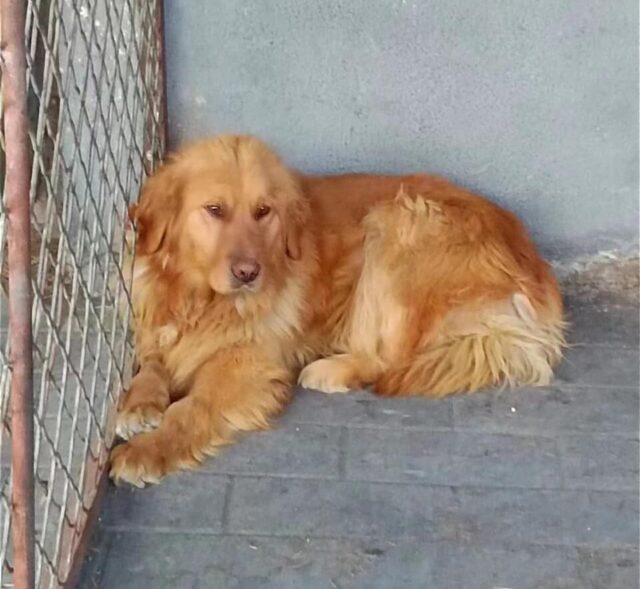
(245, 270)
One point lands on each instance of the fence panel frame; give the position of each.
(16, 190)
(14, 111)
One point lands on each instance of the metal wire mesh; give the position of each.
(94, 74)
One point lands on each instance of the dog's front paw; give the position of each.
(326, 375)
(138, 418)
(136, 463)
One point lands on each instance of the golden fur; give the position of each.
(408, 284)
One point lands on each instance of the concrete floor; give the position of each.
(528, 489)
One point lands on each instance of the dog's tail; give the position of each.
(504, 349)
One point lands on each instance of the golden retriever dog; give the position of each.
(248, 277)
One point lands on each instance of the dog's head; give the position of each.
(223, 212)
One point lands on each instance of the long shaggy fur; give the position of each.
(408, 284)
(503, 350)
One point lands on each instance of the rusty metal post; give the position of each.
(16, 191)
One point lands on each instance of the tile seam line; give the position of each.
(417, 484)
(502, 434)
(435, 429)
(170, 531)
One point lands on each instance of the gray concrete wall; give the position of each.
(532, 103)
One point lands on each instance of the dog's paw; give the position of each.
(326, 375)
(138, 419)
(133, 463)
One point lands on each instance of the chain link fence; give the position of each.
(96, 116)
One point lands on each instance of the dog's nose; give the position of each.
(246, 271)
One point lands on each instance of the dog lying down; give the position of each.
(249, 276)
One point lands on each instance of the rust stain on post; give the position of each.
(16, 192)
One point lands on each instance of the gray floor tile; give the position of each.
(610, 325)
(600, 462)
(166, 561)
(339, 509)
(175, 561)
(510, 517)
(524, 489)
(602, 366)
(363, 408)
(549, 411)
(500, 517)
(317, 408)
(531, 567)
(453, 458)
(97, 559)
(402, 566)
(604, 568)
(409, 413)
(182, 502)
(464, 566)
(599, 519)
(295, 450)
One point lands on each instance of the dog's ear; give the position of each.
(157, 206)
(293, 243)
(295, 222)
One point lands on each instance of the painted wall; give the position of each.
(534, 104)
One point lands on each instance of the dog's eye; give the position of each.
(262, 211)
(214, 210)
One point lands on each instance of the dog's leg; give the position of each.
(237, 390)
(142, 406)
(384, 321)
(340, 373)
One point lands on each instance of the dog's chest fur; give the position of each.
(192, 333)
